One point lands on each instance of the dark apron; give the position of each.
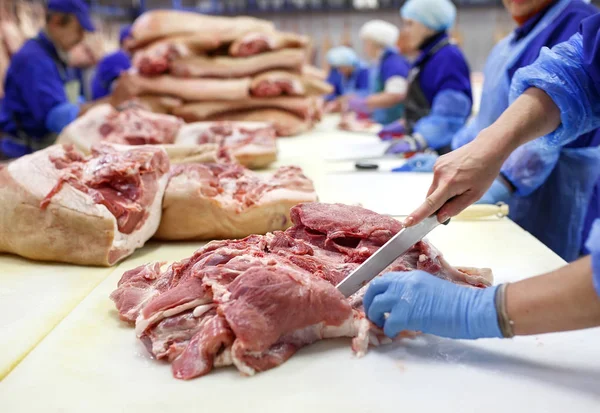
(416, 105)
(72, 87)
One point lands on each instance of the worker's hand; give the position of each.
(414, 143)
(421, 162)
(460, 178)
(419, 301)
(358, 104)
(393, 130)
(126, 87)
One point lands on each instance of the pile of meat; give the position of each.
(251, 143)
(253, 303)
(60, 205)
(225, 200)
(226, 68)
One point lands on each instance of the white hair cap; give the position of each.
(380, 32)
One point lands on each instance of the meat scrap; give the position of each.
(254, 43)
(253, 303)
(251, 143)
(225, 200)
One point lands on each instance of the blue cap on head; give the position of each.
(342, 56)
(124, 33)
(437, 15)
(78, 8)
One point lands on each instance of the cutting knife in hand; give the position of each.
(384, 256)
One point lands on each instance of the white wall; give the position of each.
(478, 28)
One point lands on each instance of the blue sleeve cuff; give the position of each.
(498, 192)
(559, 72)
(449, 112)
(593, 245)
(60, 116)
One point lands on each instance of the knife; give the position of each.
(384, 256)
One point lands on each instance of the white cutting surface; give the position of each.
(35, 297)
(91, 362)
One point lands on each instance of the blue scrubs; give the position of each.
(391, 64)
(357, 83)
(444, 81)
(107, 71)
(34, 85)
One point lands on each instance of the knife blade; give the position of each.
(387, 254)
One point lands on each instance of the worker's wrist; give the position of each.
(482, 316)
(495, 141)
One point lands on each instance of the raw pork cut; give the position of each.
(278, 83)
(230, 67)
(132, 126)
(156, 58)
(252, 144)
(260, 42)
(253, 303)
(158, 24)
(225, 200)
(155, 104)
(314, 71)
(58, 205)
(285, 123)
(195, 89)
(303, 107)
(349, 121)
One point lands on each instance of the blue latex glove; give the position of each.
(421, 162)
(498, 192)
(414, 143)
(393, 130)
(418, 301)
(60, 116)
(358, 104)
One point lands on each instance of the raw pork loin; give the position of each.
(58, 205)
(254, 302)
(225, 200)
(251, 143)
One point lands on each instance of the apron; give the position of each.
(416, 105)
(496, 84)
(556, 211)
(72, 87)
(387, 115)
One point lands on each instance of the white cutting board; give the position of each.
(92, 363)
(35, 297)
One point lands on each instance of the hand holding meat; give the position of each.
(127, 87)
(419, 301)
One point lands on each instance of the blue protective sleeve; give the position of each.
(60, 116)
(528, 167)
(362, 80)
(465, 135)
(593, 245)
(449, 113)
(590, 31)
(560, 72)
(393, 64)
(334, 78)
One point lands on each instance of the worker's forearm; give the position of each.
(384, 100)
(562, 300)
(531, 116)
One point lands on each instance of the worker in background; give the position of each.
(388, 83)
(348, 76)
(558, 96)
(439, 98)
(42, 92)
(111, 66)
(541, 185)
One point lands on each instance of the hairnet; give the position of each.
(437, 15)
(380, 32)
(342, 56)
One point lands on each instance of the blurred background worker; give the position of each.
(540, 184)
(388, 83)
(42, 93)
(558, 96)
(111, 66)
(348, 76)
(439, 97)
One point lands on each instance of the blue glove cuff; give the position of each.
(498, 192)
(481, 314)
